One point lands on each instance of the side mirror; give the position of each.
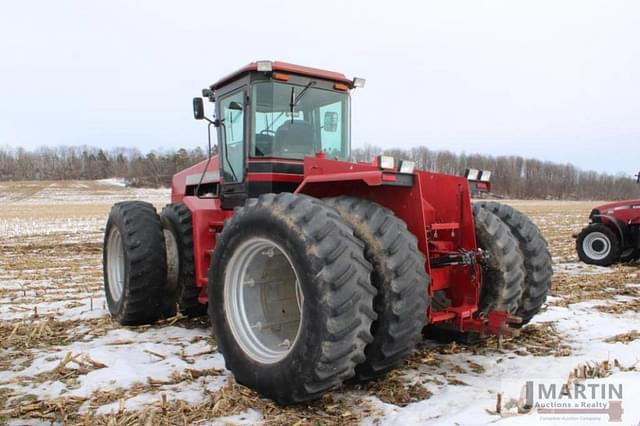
(330, 123)
(198, 109)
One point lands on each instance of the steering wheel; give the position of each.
(267, 132)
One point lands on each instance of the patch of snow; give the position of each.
(578, 268)
(249, 417)
(130, 357)
(113, 182)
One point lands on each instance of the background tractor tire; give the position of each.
(134, 263)
(537, 259)
(399, 277)
(181, 280)
(598, 245)
(272, 248)
(503, 277)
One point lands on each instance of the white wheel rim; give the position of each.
(263, 300)
(115, 264)
(596, 245)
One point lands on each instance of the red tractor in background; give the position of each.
(315, 269)
(613, 234)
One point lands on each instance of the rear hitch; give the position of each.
(460, 258)
(496, 323)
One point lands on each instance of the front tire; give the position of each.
(134, 263)
(399, 277)
(598, 245)
(290, 297)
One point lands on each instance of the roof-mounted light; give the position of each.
(359, 82)
(472, 174)
(264, 66)
(407, 166)
(386, 162)
(485, 176)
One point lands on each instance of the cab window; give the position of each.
(318, 122)
(232, 111)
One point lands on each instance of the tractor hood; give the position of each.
(618, 205)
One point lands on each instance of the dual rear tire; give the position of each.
(306, 294)
(516, 276)
(148, 263)
(504, 273)
(537, 264)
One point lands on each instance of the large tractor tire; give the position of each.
(503, 276)
(134, 263)
(290, 297)
(399, 277)
(598, 245)
(181, 280)
(537, 259)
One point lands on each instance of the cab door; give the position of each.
(233, 154)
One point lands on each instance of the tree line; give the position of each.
(512, 176)
(518, 177)
(152, 169)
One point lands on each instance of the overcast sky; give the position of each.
(556, 80)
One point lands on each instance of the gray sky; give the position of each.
(555, 80)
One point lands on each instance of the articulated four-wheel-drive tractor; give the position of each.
(315, 269)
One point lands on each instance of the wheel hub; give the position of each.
(115, 264)
(596, 245)
(263, 300)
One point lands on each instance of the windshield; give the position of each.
(319, 123)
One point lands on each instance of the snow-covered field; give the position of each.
(62, 360)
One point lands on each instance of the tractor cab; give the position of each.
(270, 116)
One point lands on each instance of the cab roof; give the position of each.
(278, 66)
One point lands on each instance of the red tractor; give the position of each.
(316, 269)
(613, 234)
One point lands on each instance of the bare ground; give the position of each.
(62, 360)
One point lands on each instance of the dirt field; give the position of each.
(62, 360)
